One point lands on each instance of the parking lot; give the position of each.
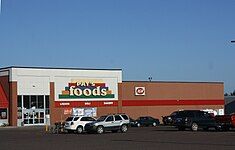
(35, 138)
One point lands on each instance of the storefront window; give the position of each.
(3, 113)
(41, 102)
(33, 101)
(19, 107)
(47, 105)
(26, 102)
(19, 113)
(47, 101)
(19, 101)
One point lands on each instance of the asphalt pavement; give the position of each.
(143, 138)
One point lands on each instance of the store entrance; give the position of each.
(32, 109)
(33, 117)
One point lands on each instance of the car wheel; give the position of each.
(138, 124)
(219, 128)
(124, 128)
(194, 127)
(154, 124)
(79, 129)
(100, 129)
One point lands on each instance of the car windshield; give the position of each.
(102, 118)
(69, 119)
(173, 114)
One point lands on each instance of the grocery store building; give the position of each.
(38, 95)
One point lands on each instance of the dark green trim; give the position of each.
(85, 97)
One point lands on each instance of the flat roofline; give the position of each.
(63, 68)
(211, 82)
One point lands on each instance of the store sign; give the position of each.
(67, 111)
(87, 89)
(91, 112)
(86, 104)
(139, 91)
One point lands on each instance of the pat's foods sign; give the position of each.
(88, 89)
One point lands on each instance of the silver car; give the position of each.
(112, 123)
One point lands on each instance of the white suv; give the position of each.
(112, 123)
(77, 123)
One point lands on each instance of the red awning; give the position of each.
(3, 98)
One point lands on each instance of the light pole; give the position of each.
(150, 79)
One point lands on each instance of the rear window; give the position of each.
(125, 117)
(117, 118)
(87, 119)
(69, 119)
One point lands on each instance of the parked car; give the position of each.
(194, 119)
(132, 122)
(226, 121)
(168, 120)
(146, 121)
(114, 123)
(77, 123)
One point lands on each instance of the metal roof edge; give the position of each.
(214, 82)
(63, 68)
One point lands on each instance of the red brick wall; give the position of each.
(162, 98)
(171, 90)
(13, 104)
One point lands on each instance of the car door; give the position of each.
(145, 121)
(199, 119)
(203, 119)
(118, 121)
(209, 120)
(151, 120)
(109, 123)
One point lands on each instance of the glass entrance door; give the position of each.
(39, 117)
(32, 109)
(33, 117)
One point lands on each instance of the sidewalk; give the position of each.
(23, 127)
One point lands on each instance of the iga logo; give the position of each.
(139, 91)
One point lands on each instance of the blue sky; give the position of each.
(183, 40)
